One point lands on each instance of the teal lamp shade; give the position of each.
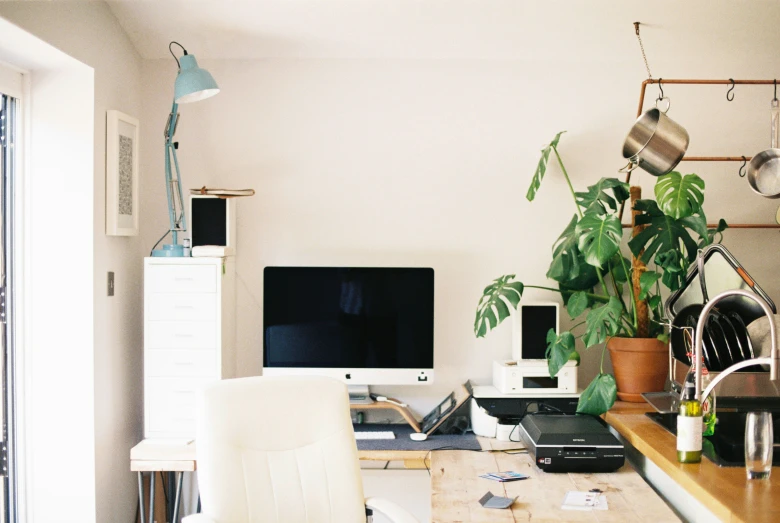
(193, 83)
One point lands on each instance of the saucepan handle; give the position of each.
(775, 124)
(630, 167)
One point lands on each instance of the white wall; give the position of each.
(52, 318)
(402, 161)
(91, 34)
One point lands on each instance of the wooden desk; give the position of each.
(456, 489)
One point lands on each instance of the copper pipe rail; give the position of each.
(704, 158)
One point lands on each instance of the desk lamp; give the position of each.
(192, 85)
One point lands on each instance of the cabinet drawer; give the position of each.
(170, 404)
(181, 335)
(168, 306)
(181, 278)
(172, 363)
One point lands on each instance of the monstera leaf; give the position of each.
(599, 238)
(541, 167)
(646, 282)
(560, 349)
(598, 201)
(679, 196)
(599, 397)
(568, 266)
(577, 304)
(602, 322)
(662, 234)
(492, 308)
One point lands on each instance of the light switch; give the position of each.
(110, 283)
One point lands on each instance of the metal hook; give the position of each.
(742, 172)
(731, 89)
(661, 96)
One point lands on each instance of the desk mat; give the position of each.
(402, 442)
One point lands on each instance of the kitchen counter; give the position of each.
(724, 491)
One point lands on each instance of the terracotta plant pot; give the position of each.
(640, 365)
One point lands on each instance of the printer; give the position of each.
(571, 443)
(496, 415)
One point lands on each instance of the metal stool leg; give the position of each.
(179, 477)
(141, 507)
(151, 499)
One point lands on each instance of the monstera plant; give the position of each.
(611, 295)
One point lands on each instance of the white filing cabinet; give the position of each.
(189, 338)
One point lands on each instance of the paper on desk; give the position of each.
(576, 500)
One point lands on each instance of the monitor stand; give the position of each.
(359, 395)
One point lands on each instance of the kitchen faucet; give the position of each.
(773, 360)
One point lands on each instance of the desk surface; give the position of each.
(456, 489)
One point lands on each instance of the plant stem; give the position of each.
(601, 365)
(631, 288)
(568, 181)
(598, 297)
(614, 286)
(575, 326)
(601, 279)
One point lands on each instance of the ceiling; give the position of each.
(446, 29)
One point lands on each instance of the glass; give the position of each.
(759, 442)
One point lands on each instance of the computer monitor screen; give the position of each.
(364, 325)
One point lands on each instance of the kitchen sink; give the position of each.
(726, 447)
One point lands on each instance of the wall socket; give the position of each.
(110, 283)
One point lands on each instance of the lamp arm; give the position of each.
(173, 184)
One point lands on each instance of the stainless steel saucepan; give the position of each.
(763, 171)
(656, 143)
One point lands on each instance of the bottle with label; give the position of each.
(689, 424)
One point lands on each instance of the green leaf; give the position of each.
(599, 397)
(646, 283)
(492, 308)
(568, 265)
(597, 201)
(577, 304)
(559, 349)
(541, 167)
(599, 238)
(602, 322)
(717, 231)
(662, 234)
(679, 196)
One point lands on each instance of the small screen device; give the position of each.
(531, 324)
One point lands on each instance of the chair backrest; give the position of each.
(278, 450)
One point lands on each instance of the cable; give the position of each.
(510, 452)
(158, 242)
(174, 56)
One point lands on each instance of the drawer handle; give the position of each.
(183, 391)
(183, 335)
(183, 307)
(182, 363)
(182, 278)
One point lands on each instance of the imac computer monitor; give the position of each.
(362, 325)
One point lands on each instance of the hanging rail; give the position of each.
(732, 83)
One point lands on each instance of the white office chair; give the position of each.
(280, 450)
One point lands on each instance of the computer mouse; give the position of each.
(418, 436)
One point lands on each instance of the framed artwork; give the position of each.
(121, 174)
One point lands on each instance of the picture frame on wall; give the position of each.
(122, 174)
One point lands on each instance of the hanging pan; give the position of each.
(656, 143)
(763, 171)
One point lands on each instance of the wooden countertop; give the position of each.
(725, 491)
